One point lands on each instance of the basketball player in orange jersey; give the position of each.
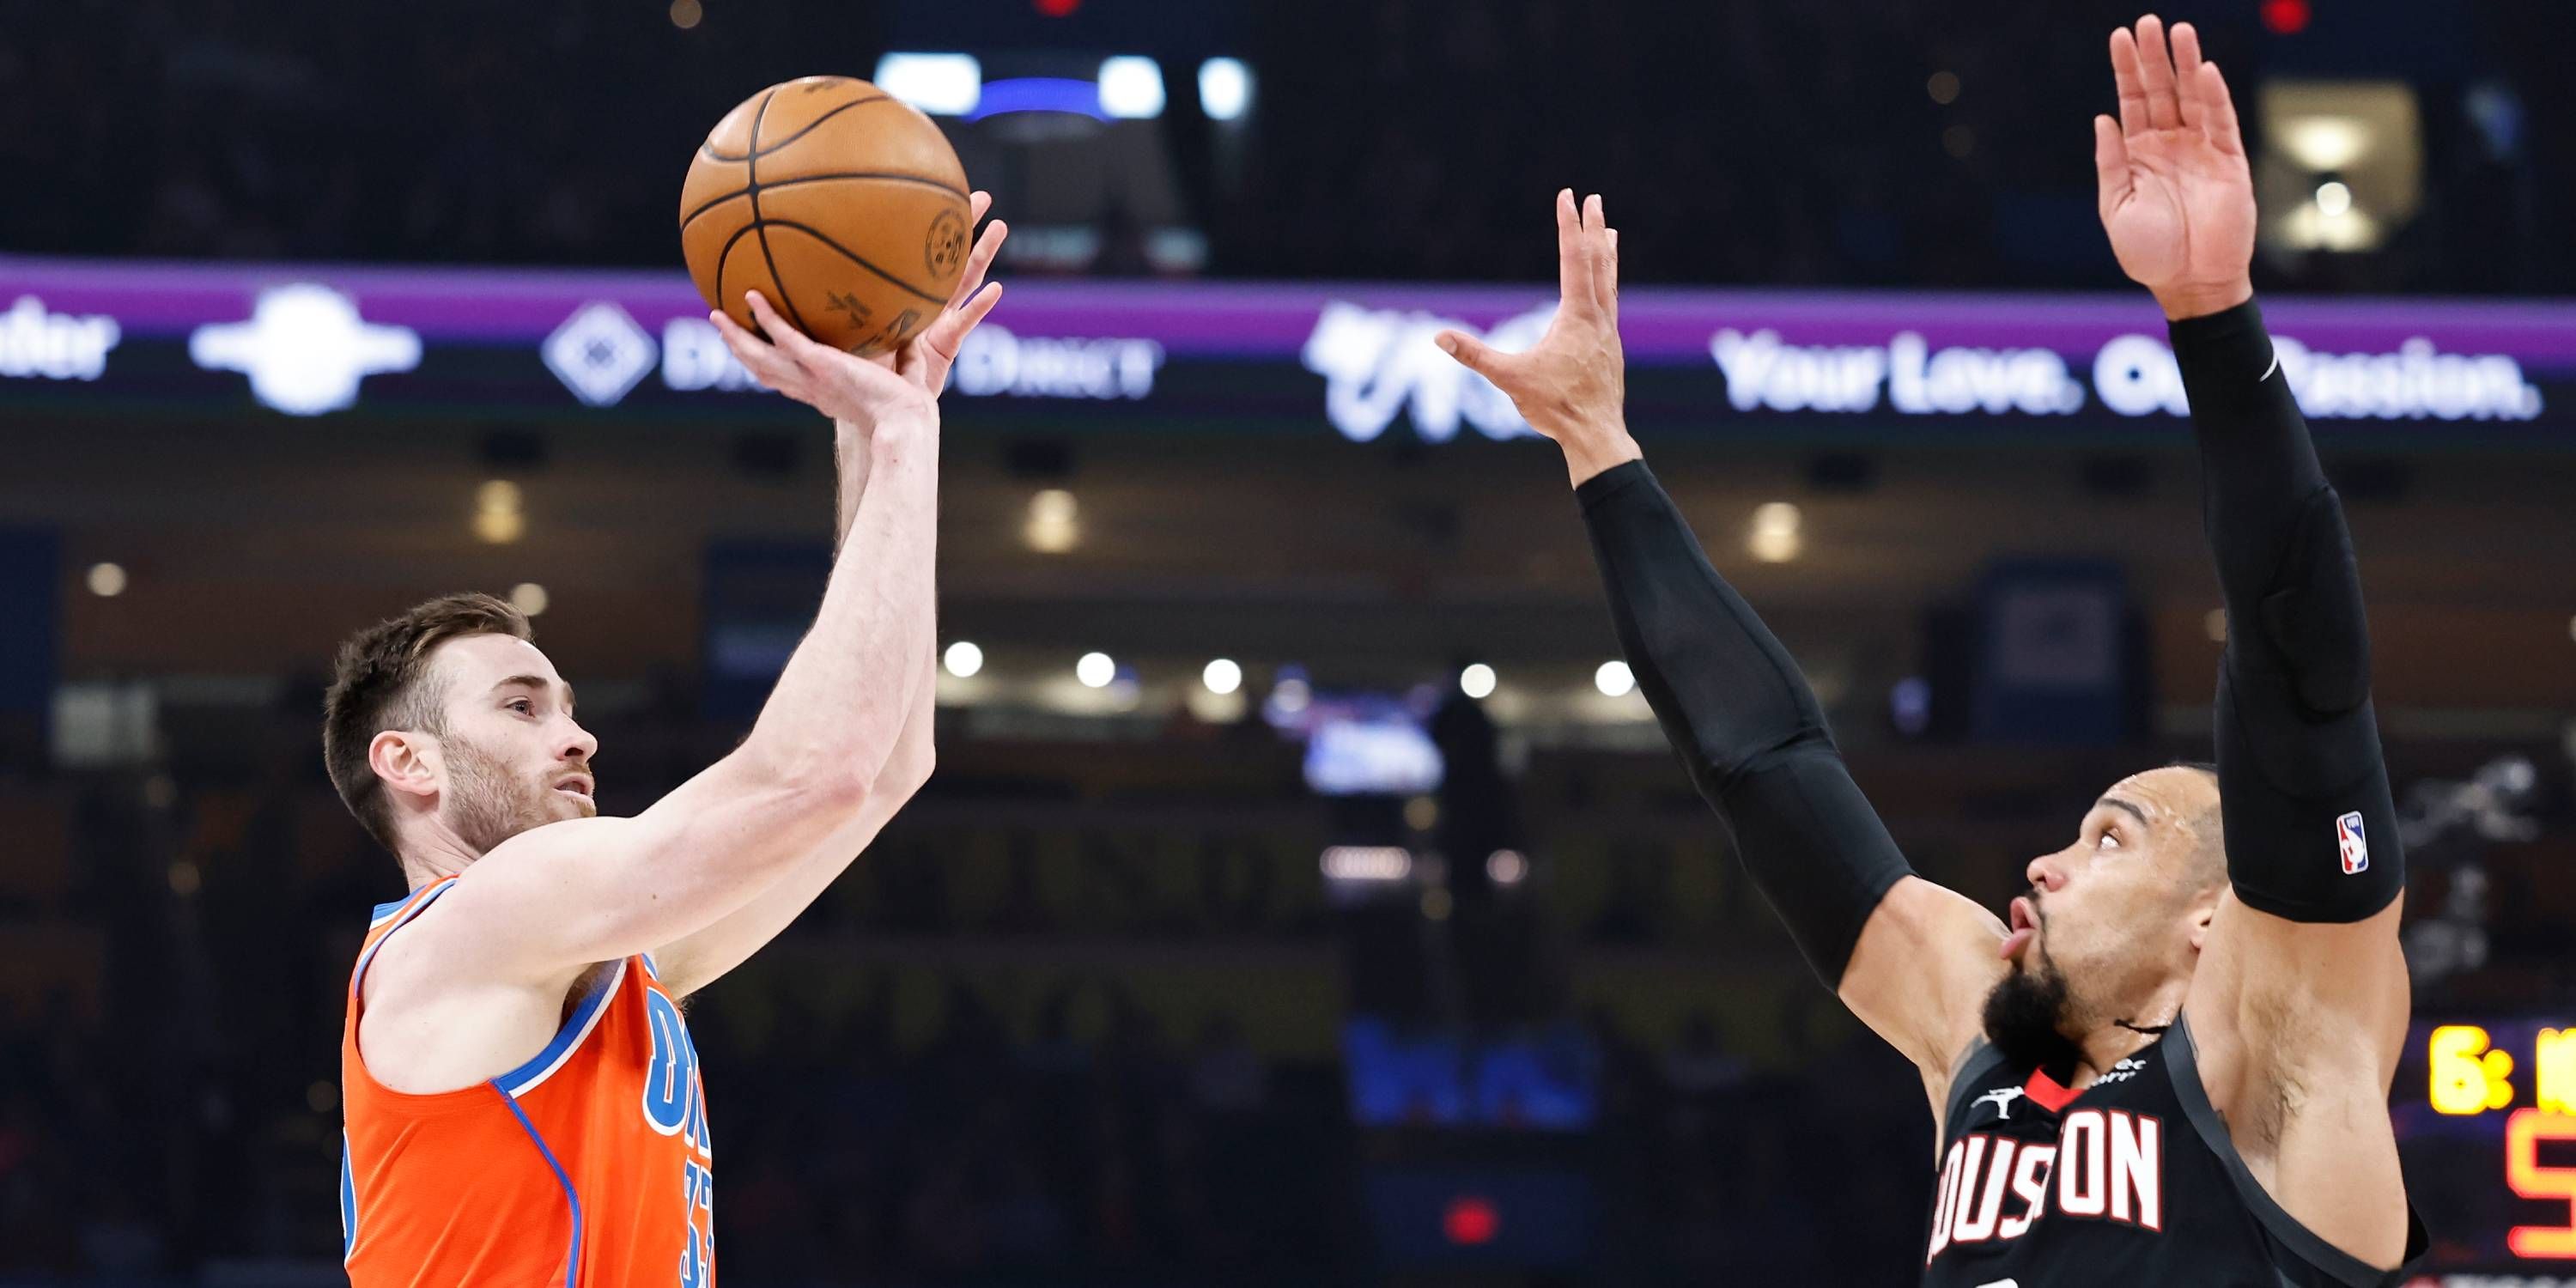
(523, 1105)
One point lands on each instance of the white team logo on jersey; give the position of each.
(2003, 1098)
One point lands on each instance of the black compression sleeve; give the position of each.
(2311, 828)
(1737, 711)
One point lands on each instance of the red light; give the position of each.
(1058, 8)
(2286, 17)
(1470, 1221)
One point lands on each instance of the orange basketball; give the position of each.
(842, 206)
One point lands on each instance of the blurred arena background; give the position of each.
(1304, 896)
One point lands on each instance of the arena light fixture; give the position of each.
(1225, 89)
(1367, 863)
(1095, 670)
(1507, 867)
(107, 580)
(940, 84)
(1222, 676)
(1131, 87)
(1053, 525)
(1614, 679)
(1778, 533)
(2334, 199)
(963, 659)
(1477, 681)
(1039, 94)
(530, 598)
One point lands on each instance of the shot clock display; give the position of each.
(2486, 1121)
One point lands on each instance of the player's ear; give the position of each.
(2203, 910)
(406, 761)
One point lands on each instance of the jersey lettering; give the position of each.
(1995, 1188)
(674, 1103)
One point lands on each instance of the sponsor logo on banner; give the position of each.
(2136, 376)
(992, 363)
(37, 342)
(305, 348)
(599, 353)
(1378, 363)
(1764, 372)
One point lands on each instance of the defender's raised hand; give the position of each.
(1572, 385)
(863, 392)
(2177, 195)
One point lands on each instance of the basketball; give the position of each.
(842, 205)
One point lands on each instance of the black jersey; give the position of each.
(2131, 1181)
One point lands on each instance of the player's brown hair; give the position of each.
(381, 681)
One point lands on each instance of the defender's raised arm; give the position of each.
(2301, 1000)
(1911, 959)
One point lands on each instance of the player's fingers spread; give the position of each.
(2155, 67)
(977, 203)
(1605, 268)
(1573, 268)
(1471, 353)
(979, 262)
(949, 333)
(2219, 121)
(2132, 85)
(2110, 162)
(976, 307)
(785, 337)
(732, 331)
(2186, 55)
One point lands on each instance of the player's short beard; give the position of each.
(2027, 1013)
(484, 804)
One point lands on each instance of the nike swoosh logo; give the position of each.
(2267, 371)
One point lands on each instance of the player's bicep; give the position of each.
(1920, 973)
(2275, 997)
(591, 890)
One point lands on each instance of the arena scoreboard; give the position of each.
(2485, 1110)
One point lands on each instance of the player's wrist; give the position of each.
(1594, 450)
(2183, 303)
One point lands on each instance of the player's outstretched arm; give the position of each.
(1911, 959)
(702, 957)
(2300, 1000)
(814, 773)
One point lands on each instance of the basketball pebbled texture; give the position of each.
(843, 206)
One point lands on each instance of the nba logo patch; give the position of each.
(2354, 844)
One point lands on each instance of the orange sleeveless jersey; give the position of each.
(588, 1166)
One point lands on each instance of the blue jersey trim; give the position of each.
(417, 903)
(572, 1259)
(575, 1027)
(348, 1204)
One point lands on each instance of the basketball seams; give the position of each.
(893, 176)
(708, 150)
(759, 227)
(846, 253)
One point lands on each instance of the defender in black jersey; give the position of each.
(2168, 1064)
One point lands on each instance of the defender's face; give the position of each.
(2114, 909)
(513, 757)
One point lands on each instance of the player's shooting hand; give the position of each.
(1572, 385)
(2177, 195)
(862, 393)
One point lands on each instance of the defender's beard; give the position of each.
(484, 804)
(2026, 1015)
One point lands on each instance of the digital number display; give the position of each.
(2487, 1122)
